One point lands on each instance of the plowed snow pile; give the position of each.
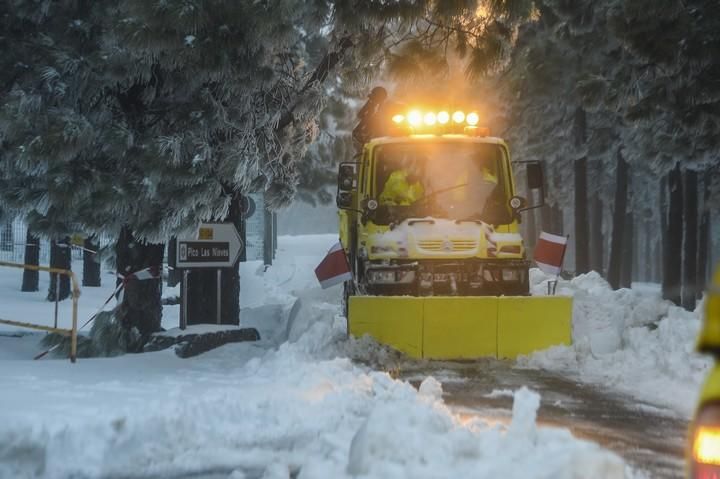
(270, 409)
(628, 339)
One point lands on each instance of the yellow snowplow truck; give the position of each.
(429, 223)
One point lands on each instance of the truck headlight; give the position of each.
(381, 276)
(381, 249)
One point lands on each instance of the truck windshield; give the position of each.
(461, 181)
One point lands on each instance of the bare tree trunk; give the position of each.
(628, 256)
(690, 246)
(672, 247)
(662, 241)
(268, 238)
(60, 257)
(648, 255)
(31, 279)
(582, 236)
(91, 264)
(558, 220)
(703, 240)
(141, 307)
(618, 233)
(596, 235)
(546, 218)
(275, 233)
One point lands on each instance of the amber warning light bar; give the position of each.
(419, 121)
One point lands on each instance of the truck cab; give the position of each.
(431, 208)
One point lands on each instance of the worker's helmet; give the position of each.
(709, 340)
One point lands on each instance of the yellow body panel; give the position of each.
(391, 320)
(343, 228)
(456, 327)
(459, 327)
(709, 339)
(711, 388)
(527, 324)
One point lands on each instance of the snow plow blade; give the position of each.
(452, 327)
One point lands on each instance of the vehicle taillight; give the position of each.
(705, 443)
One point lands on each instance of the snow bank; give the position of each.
(242, 408)
(628, 339)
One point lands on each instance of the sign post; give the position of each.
(218, 245)
(184, 295)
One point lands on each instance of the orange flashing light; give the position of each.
(415, 118)
(433, 122)
(706, 446)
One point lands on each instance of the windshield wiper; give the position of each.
(435, 193)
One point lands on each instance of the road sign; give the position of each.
(218, 245)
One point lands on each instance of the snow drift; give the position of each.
(627, 339)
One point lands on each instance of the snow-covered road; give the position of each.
(307, 402)
(648, 437)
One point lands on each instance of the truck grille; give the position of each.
(439, 245)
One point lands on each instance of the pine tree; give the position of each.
(140, 119)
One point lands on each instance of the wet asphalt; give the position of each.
(650, 438)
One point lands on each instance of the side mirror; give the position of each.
(344, 200)
(535, 181)
(346, 177)
(535, 177)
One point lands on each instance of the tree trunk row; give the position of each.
(582, 229)
(31, 279)
(703, 241)
(690, 253)
(60, 258)
(672, 251)
(617, 249)
(91, 264)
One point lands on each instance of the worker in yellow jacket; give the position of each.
(402, 188)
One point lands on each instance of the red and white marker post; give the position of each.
(334, 268)
(550, 254)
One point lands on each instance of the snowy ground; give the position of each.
(629, 340)
(277, 408)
